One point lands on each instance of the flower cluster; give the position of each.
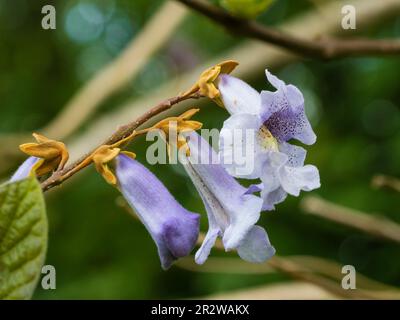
(271, 119)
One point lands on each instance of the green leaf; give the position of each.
(23, 238)
(248, 9)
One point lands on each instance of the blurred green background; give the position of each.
(98, 250)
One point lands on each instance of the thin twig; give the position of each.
(324, 48)
(59, 177)
(225, 265)
(295, 271)
(381, 181)
(305, 264)
(333, 270)
(378, 226)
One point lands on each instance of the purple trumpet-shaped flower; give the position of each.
(24, 169)
(173, 228)
(265, 123)
(232, 213)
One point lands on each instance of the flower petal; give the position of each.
(239, 148)
(205, 248)
(253, 188)
(279, 177)
(295, 179)
(272, 198)
(238, 96)
(283, 113)
(274, 80)
(241, 223)
(296, 155)
(270, 178)
(234, 211)
(172, 227)
(24, 169)
(256, 247)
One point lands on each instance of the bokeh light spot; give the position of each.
(84, 22)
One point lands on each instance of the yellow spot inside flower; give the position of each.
(267, 140)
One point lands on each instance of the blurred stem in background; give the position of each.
(319, 272)
(376, 225)
(321, 48)
(383, 181)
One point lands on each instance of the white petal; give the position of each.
(274, 80)
(296, 155)
(256, 247)
(24, 169)
(272, 198)
(239, 151)
(238, 96)
(294, 180)
(242, 219)
(270, 175)
(205, 249)
(271, 193)
(295, 97)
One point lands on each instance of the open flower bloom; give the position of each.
(173, 228)
(232, 213)
(264, 124)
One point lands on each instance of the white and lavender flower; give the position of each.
(266, 122)
(232, 213)
(173, 228)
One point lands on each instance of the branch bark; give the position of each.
(122, 132)
(323, 48)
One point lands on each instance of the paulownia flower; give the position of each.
(232, 213)
(173, 228)
(271, 119)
